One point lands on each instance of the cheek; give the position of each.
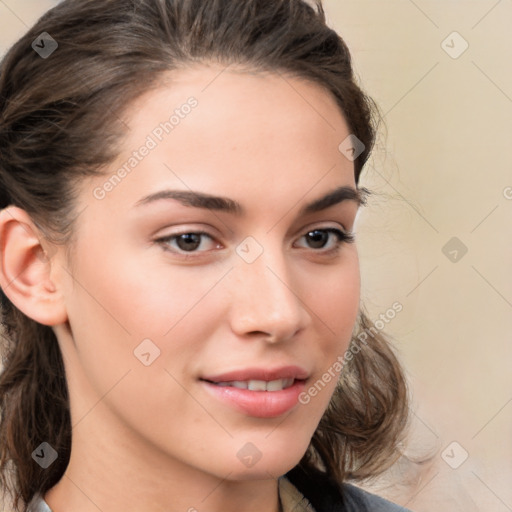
(335, 300)
(120, 317)
(136, 296)
(127, 307)
(336, 304)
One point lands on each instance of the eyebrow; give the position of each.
(201, 200)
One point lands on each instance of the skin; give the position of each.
(150, 437)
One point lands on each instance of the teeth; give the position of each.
(278, 385)
(259, 385)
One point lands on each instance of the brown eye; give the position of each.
(319, 238)
(188, 242)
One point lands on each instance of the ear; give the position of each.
(25, 269)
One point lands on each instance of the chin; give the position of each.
(261, 471)
(272, 461)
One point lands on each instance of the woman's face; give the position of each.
(181, 306)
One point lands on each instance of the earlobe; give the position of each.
(25, 269)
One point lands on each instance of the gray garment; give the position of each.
(327, 495)
(357, 499)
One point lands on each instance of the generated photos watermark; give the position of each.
(354, 348)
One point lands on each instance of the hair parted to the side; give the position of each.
(60, 122)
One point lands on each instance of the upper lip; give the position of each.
(266, 374)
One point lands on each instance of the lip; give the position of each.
(283, 372)
(259, 404)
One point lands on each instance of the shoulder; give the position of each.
(325, 495)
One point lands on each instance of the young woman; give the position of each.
(180, 284)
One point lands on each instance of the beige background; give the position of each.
(444, 170)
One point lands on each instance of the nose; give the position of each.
(266, 302)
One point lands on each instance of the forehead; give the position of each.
(236, 108)
(229, 131)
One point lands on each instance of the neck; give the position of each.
(112, 477)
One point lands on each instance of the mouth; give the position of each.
(260, 393)
(258, 376)
(256, 385)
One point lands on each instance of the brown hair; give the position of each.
(60, 121)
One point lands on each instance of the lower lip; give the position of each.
(261, 404)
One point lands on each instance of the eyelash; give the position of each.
(342, 236)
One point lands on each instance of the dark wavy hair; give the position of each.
(60, 122)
